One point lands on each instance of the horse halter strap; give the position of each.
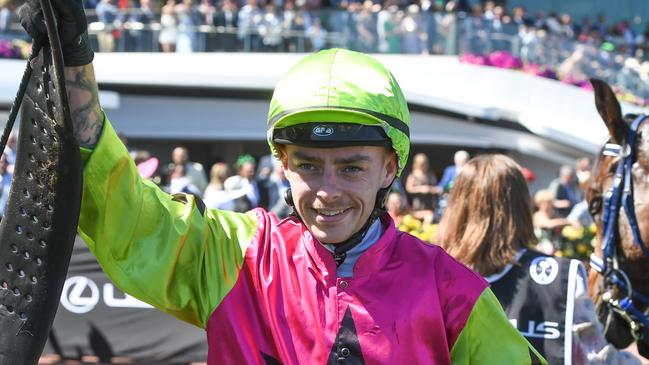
(620, 194)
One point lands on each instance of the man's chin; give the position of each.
(330, 239)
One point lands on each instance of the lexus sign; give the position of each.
(81, 295)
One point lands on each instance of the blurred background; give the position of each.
(187, 85)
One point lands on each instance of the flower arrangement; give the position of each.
(576, 242)
(503, 59)
(15, 49)
(417, 228)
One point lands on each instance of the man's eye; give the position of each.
(352, 169)
(306, 167)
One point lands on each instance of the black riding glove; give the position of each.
(72, 25)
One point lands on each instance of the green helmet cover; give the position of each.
(338, 85)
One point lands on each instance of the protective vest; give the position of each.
(537, 295)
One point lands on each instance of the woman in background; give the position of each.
(215, 195)
(547, 225)
(421, 186)
(169, 27)
(487, 226)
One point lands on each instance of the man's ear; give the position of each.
(282, 156)
(391, 168)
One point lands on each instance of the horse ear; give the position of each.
(609, 109)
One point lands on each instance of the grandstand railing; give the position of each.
(433, 33)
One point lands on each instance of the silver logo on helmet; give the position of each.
(323, 130)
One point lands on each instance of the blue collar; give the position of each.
(345, 270)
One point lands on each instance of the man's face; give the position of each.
(334, 189)
(247, 170)
(566, 176)
(179, 155)
(393, 203)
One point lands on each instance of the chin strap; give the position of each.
(341, 248)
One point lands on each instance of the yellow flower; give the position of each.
(430, 228)
(572, 233)
(592, 228)
(582, 248)
(411, 222)
(420, 235)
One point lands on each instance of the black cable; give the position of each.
(57, 63)
(13, 112)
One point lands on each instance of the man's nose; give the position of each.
(330, 186)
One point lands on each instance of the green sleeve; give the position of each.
(168, 251)
(489, 338)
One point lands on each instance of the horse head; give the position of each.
(618, 197)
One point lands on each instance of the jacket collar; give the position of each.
(369, 262)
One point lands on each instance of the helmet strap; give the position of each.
(288, 198)
(341, 248)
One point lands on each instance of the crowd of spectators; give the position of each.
(551, 44)
(561, 219)
(385, 26)
(238, 186)
(557, 47)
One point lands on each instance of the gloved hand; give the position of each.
(72, 25)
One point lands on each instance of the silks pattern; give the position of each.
(267, 292)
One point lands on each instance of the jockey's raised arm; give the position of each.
(87, 116)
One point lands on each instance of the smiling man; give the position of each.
(333, 283)
(335, 189)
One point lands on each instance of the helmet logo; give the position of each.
(323, 131)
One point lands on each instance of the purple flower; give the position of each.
(504, 59)
(10, 50)
(474, 59)
(541, 71)
(586, 85)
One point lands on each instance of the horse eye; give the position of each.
(595, 205)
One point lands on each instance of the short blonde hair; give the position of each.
(543, 195)
(218, 173)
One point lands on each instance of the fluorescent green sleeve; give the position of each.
(165, 250)
(489, 338)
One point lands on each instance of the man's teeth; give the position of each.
(330, 213)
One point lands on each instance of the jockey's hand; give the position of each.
(72, 25)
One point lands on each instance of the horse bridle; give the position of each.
(633, 306)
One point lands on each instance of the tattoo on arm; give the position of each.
(87, 116)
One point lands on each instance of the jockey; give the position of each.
(333, 283)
